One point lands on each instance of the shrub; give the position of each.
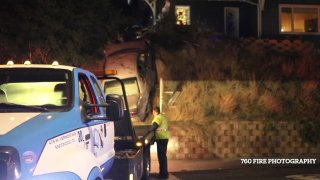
(223, 80)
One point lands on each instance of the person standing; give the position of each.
(160, 126)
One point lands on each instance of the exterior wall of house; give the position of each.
(270, 21)
(212, 14)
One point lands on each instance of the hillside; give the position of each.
(247, 79)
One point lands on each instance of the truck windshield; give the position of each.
(35, 89)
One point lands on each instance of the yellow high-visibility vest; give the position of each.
(162, 131)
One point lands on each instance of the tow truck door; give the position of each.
(99, 138)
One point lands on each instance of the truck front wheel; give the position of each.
(146, 164)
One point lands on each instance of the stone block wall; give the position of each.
(234, 139)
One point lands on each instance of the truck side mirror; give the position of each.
(115, 108)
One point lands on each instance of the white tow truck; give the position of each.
(132, 139)
(55, 123)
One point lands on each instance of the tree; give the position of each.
(71, 31)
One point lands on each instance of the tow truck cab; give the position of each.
(55, 123)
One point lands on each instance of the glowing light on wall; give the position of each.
(173, 146)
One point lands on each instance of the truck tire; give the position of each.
(146, 163)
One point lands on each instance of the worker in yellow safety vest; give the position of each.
(160, 126)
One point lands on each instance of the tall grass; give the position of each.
(226, 80)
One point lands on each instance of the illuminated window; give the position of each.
(299, 19)
(183, 15)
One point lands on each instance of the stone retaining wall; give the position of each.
(231, 139)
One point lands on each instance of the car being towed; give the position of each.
(135, 66)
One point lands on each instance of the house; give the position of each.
(292, 19)
(237, 18)
(253, 18)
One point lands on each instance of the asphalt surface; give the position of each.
(235, 170)
(255, 172)
(195, 165)
(191, 166)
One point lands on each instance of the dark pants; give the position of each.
(162, 156)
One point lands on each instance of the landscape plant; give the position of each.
(227, 81)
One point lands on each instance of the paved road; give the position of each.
(296, 172)
(237, 171)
